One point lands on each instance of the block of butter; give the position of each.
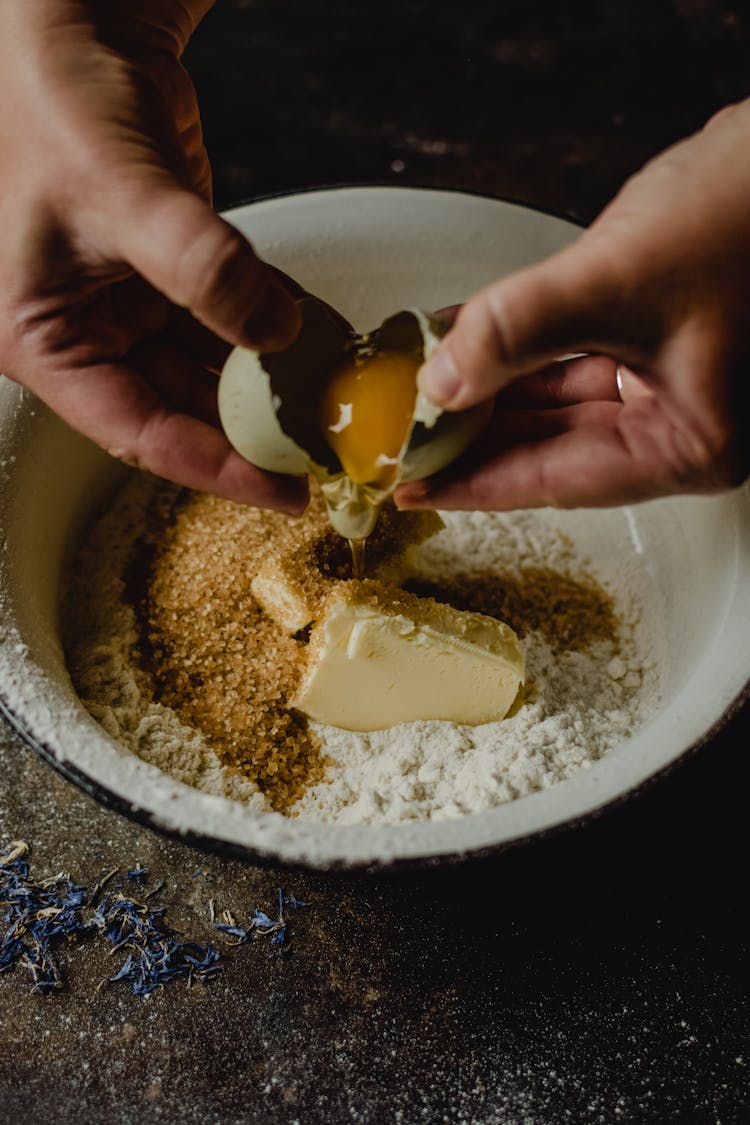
(282, 596)
(378, 657)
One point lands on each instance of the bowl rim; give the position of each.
(207, 840)
(232, 850)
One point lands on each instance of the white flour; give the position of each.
(577, 707)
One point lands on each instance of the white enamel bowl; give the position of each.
(369, 251)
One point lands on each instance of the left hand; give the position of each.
(121, 290)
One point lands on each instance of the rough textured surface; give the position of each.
(599, 977)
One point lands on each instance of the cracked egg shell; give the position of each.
(266, 400)
(269, 403)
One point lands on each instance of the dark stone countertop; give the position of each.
(600, 976)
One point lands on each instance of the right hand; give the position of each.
(659, 284)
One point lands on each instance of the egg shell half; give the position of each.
(269, 402)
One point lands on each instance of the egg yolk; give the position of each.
(366, 410)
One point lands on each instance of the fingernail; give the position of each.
(439, 380)
(292, 494)
(274, 322)
(415, 494)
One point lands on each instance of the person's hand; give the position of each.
(659, 285)
(120, 289)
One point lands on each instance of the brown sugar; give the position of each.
(214, 657)
(570, 613)
(227, 669)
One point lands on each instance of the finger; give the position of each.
(181, 382)
(208, 348)
(510, 428)
(524, 322)
(299, 293)
(594, 455)
(194, 339)
(174, 240)
(198, 456)
(589, 379)
(106, 324)
(137, 309)
(117, 408)
(293, 287)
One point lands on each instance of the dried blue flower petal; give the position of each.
(277, 928)
(155, 956)
(261, 920)
(290, 900)
(35, 916)
(38, 915)
(125, 969)
(238, 932)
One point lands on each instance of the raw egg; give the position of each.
(345, 408)
(366, 410)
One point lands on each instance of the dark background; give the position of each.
(598, 977)
(549, 103)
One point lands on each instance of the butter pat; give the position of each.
(289, 602)
(378, 658)
(290, 587)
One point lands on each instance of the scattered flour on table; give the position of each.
(580, 702)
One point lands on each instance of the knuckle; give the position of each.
(213, 269)
(478, 344)
(125, 453)
(46, 333)
(731, 464)
(708, 458)
(494, 321)
(481, 494)
(545, 484)
(137, 448)
(722, 116)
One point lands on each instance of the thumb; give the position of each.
(185, 250)
(523, 322)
